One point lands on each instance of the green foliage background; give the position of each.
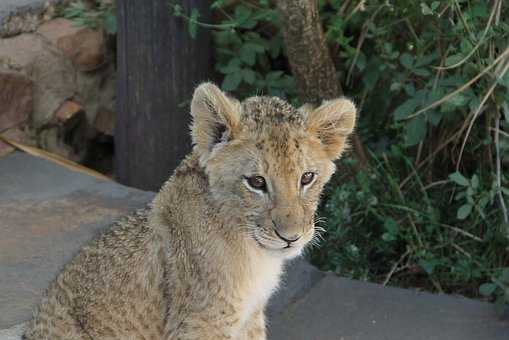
(419, 216)
(431, 82)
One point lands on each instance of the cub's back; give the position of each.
(112, 288)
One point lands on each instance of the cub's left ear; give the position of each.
(332, 123)
(216, 118)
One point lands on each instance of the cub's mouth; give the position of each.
(274, 242)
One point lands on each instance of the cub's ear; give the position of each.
(332, 123)
(215, 117)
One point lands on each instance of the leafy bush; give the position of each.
(93, 14)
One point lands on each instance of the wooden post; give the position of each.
(159, 65)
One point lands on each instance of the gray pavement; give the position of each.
(47, 213)
(342, 309)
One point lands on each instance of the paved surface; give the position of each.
(341, 309)
(47, 213)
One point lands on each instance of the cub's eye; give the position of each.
(257, 182)
(307, 178)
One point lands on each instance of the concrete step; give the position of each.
(47, 213)
(341, 309)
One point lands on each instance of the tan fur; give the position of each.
(202, 262)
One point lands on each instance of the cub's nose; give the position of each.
(283, 236)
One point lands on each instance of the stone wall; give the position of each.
(57, 81)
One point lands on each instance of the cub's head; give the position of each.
(267, 162)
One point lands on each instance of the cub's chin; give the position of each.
(280, 250)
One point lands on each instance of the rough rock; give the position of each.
(16, 134)
(16, 99)
(86, 48)
(56, 29)
(67, 111)
(95, 90)
(22, 16)
(72, 131)
(105, 121)
(54, 82)
(20, 51)
(53, 76)
(5, 149)
(51, 139)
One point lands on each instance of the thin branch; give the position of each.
(504, 134)
(461, 231)
(499, 180)
(394, 267)
(364, 31)
(478, 111)
(461, 88)
(479, 43)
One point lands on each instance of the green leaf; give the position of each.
(505, 275)
(391, 230)
(409, 89)
(273, 76)
(361, 61)
(249, 76)
(177, 10)
(458, 178)
(217, 4)
(425, 9)
(110, 22)
(464, 211)
(371, 75)
(395, 86)
(415, 130)
(428, 265)
(486, 289)
(406, 60)
(421, 72)
(405, 109)
(275, 47)
(426, 59)
(434, 117)
(242, 15)
(475, 181)
(232, 66)
(505, 191)
(231, 81)
(454, 59)
(458, 99)
(247, 54)
(256, 46)
(193, 23)
(388, 237)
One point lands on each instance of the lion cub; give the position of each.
(202, 262)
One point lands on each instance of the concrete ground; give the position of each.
(47, 213)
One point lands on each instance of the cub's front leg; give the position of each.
(208, 324)
(255, 327)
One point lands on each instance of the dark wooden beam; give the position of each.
(159, 65)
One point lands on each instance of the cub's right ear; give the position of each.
(332, 122)
(215, 118)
